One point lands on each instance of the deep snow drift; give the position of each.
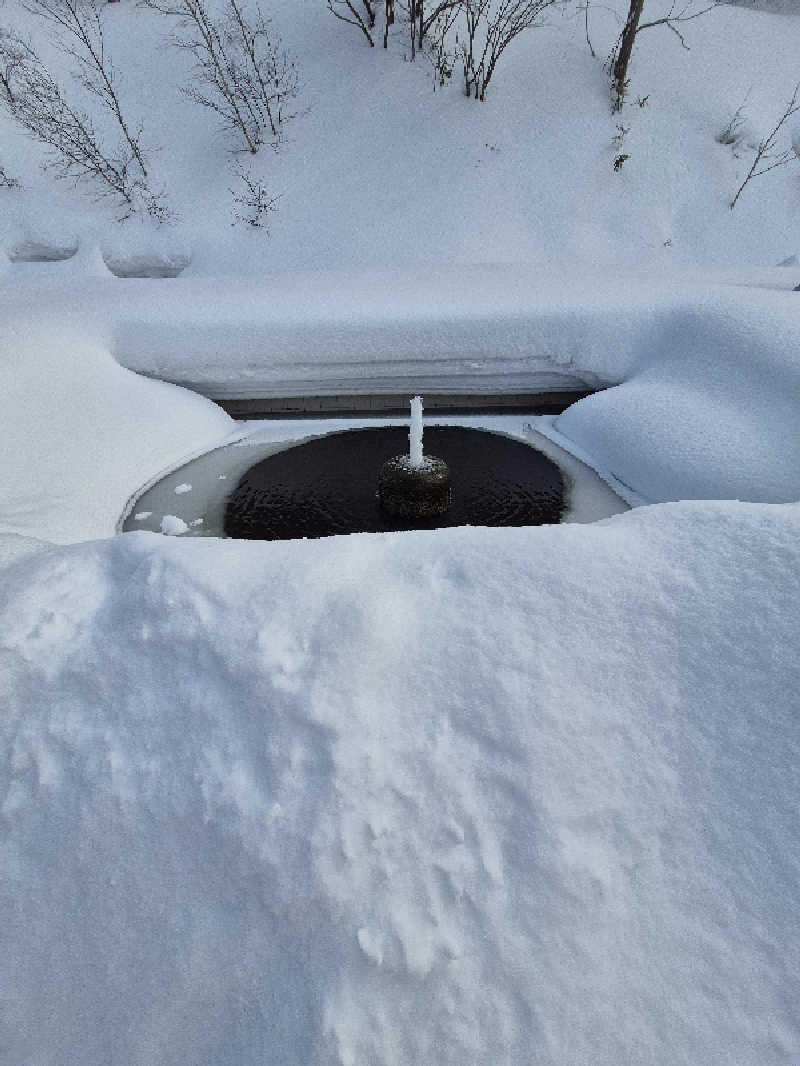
(477, 796)
(708, 412)
(79, 434)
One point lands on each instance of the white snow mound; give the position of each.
(352, 801)
(709, 412)
(80, 434)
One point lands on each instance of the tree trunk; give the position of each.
(619, 77)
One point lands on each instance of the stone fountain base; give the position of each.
(407, 491)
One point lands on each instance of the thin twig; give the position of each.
(765, 148)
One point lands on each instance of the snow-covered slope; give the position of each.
(380, 169)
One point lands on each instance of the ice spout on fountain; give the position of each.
(414, 486)
(415, 433)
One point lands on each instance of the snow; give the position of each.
(525, 178)
(463, 796)
(79, 434)
(318, 814)
(709, 413)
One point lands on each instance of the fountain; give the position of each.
(326, 485)
(279, 487)
(414, 485)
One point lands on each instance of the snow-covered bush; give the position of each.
(242, 72)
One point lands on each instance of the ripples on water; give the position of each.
(328, 485)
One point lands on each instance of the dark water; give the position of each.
(328, 485)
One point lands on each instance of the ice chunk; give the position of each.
(172, 525)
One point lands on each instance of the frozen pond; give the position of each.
(192, 500)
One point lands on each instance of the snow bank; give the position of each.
(79, 434)
(461, 327)
(710, 373)
(710, 412)
(352, 801)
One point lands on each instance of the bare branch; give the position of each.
(449, 8)
(355, 19)
(621, 53)
(80, 22)
(586, 28)
(765, 158)
(669, 20)
(242, 72)
(38, 103)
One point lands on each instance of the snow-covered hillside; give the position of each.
(379, 169)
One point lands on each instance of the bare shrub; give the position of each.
(483, 30)
(6, 181)
(491, 27)
(78, 31)
(39, 104)
(242, 71)
(732, 133)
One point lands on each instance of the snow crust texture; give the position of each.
(506, 796)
